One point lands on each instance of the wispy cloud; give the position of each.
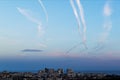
(107, 22)
(31, 50)
(107, 9)
(107, 12)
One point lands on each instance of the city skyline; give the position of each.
(65, 29)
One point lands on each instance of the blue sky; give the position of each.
(23, 25)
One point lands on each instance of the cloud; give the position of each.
(107, 9)
(107, 22)
(40, 30)
(107, 26)
(32, 50)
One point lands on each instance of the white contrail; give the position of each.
(76, 15)
(81, 12)
(32, 19)
(44, 9)
(27, 15)
(78, 22)
(83, 34)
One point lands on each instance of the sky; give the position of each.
(60, 31)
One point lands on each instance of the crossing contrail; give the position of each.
(80, 19)
(44, 9)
